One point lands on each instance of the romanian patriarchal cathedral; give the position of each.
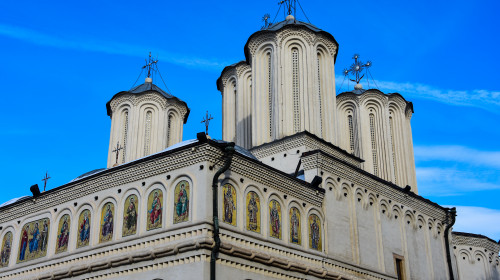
(305, 184)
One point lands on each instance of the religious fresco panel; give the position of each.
(107, 222)
(275, 219)
(229, 204)
(33, 240)
(83, 238)
(295, 236)
(63, 234)
(181, 202)
(155, 210)
(6, 248)
(253, 212)
(130, 216)
(315, 232)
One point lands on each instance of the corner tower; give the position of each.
(285, 86)
(144, 120)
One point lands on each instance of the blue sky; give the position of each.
(60, 62)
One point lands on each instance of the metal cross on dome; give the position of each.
(207, 120)
(150, 64)
(117, 150)
(290, 5)
(356, 68)
(45, 179)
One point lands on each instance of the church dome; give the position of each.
(145, 88)
(290, 23)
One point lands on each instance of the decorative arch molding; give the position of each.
(305, 34)
(322, 41)
(256, 41)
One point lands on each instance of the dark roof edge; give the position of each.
(409, 104)
(227, 68)
(392, 185)
(305, 132)
(108, 106)
(474, 235)
(328, 35)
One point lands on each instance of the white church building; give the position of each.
(306, 183)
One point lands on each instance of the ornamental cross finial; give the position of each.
(290, 6)
(357, 68)
(45, 179)
(117, 151)
(150, 64)
(207, 120)
(265, 19)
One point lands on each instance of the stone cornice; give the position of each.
(319, 159)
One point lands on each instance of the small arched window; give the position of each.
(319, 93)
(270, 92)
(296, 90)
(147, 132)
(391, 127)
(351, 133)
(125, 134)
(373, 144)
(169, 130)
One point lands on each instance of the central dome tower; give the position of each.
(286, 85)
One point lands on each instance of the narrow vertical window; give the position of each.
(351, 133)
(374, 144)
(319, 95)
(125, 135)
(295, 90)
(391, 126)
(147, 133)
(399, 268)
(270, 95)
(169, 130)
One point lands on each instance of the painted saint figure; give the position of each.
(315, 237)
(182, 203)
(24, 243)
(84, 230)
(33, 247)
(274, 214)
(155, 211)
(107, 223)
(295, 226)
(253, 210)
(63, 237)
(44, 236)
(6, 248)
(229, 205)
(130, 218)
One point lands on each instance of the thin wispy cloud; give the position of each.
(449, 181)
(480, 98)
(93, 45)
(478, 220)
(458, 154)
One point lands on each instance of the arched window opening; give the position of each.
(295, 90)
(374, 144)
(351, 133)
(125, 134)
(319, 95)
(147, 133)
(391, 126)
(169, 130)
(270, 94)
